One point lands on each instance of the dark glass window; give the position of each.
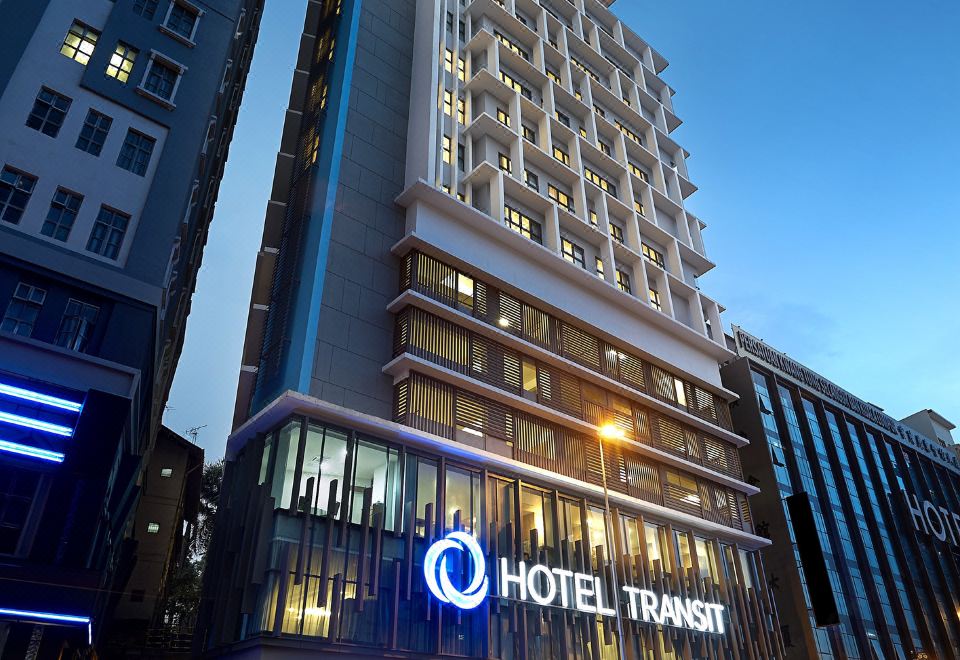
(18, 488)
(145, 8)
(62, 214)
(107, 234)
(135, 152)
(76, 326)
(22, 312)
(161, 79)
(572, 252)
(15, 190)
(49, 111)
(94, 132)
(182, 20)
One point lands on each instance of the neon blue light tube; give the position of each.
(37, 424)
(32, 452)
(37, 397)
(47, 616)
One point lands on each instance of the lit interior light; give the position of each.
(504, 322)
(32, 452)
(612, 432)
(37, 397)
(39, 425)
(471, 431)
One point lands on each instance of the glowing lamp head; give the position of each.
(504, 322)
(612, 432)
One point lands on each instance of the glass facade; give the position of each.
(337, 550)
(894, 588)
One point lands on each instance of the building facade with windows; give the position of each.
(115, 117)
(861, 509)
(457, 289)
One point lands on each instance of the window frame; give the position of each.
(14, 188)
(26, 300)
(96, 129)
(86, 31)
(51, 107)
(169, 62)
(57, 225)
(133, 160)
(78, 338)
(574, 254)
(198, 13)
(111, 229)
(128, 55)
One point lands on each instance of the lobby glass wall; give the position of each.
(345, 521)
(896, 592)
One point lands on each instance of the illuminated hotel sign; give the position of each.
(547, 586)
(773, 358)
(933, 520)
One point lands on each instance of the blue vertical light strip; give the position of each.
(308, 332)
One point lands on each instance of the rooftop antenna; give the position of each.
(194, 432)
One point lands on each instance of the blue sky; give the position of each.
(825, 144)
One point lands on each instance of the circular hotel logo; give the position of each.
(438, 577)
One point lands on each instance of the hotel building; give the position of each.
(115, 117)
(863, 511)
(476, 257)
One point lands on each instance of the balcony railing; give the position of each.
(447, 411)
(486, 303)
(453, 347)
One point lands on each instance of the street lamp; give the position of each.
(611, 432)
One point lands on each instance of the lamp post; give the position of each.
(611, 432)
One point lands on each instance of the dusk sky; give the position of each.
(825, 145)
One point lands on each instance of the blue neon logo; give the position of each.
(438, 578)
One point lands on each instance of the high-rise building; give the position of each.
(863, 511)
(476, 258)
(115, 117)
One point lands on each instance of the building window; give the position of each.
(23, 309)
(461, 111)
(651, 254)
(604, 147)
(522, 224)
(593, 217)
(560, 197)
(572, 253)
(515, 85)
(79, 43)
(599, 267)
(462, 31)
(616, 232)
(638, 172)
(503, 117)
(553, 75)
(447, 149)
(461, 156)
(182, 19)
(529, 134)
(121, 62)
(449, 21)
(135, 152)
(623, 281)
(655, 299)
(153, 528)
(503, 161)
(563, 119)
(145, 8)
(532, 180)
(107, 234)
(49, 111)
(15, 190)
(638, 207)
(600, 181)
(166, 473)
(448, 102)
(448, 61)
(600, 111)
(561, 155)
(63, 212)
(94, 132)
(583, 132)
(162, 78)
(76, 326)
(18, 487)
